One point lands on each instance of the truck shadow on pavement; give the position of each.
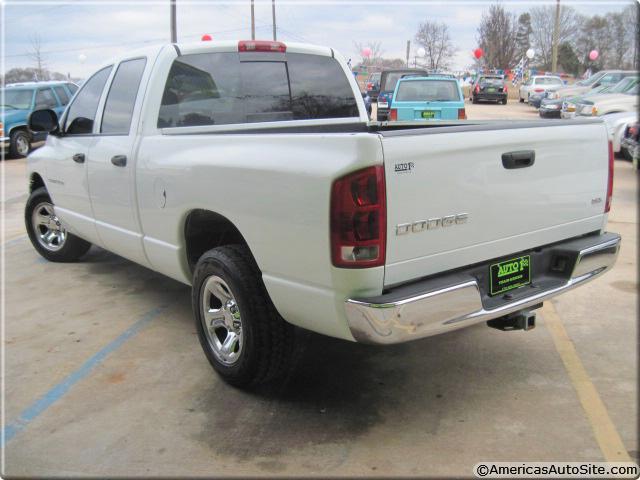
(337, 391)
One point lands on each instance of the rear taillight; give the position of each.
(607, 205)
(369, 86)
(462, 115)
(261, 46)
(359, 219)
(477, 89)
(505, 88)
(393, 114)
(538, 90)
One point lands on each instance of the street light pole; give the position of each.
(556, 34)
(273, 15)
(172, 22)
(253, 22)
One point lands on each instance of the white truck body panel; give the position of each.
(275, 188)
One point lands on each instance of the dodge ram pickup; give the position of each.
(249, 170)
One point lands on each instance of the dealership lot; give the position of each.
(105, 376)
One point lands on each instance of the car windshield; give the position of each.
(491, 80)
(592, 79)
(17, 99)
(624, 85)
(633, 91)
(428, 91)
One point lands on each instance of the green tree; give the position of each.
(568, 58)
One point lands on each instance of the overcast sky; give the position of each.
(102, 29)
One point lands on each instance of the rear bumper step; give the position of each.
(456, 300)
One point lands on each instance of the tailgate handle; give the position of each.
(520, 159)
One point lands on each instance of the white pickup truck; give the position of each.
(250, 171)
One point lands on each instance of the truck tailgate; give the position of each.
(452, 202)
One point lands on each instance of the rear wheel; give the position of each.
(244, 338)
(474, 100)
(521, 99)
(504, 101)
(625, 154)
(47, 234)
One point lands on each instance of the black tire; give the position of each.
(18, 140)
(71, 248)
(474, 100)
(504, 101)
(267, 341)
(521, 99)
(625, 154)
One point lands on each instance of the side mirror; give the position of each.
(44, 121)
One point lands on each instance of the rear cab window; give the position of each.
(221, 89)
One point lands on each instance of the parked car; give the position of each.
(388, 81)
(535, 99)
(538, 84)
(631, 142)
(249, 170)
(489, 88)
(20, 99)
(569, 105)
(609, 103)
(373, 86)
(617, 124)
(427, 98)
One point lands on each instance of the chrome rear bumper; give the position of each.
(388, 320)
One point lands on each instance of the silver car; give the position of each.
(538, 84)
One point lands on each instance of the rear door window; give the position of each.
(62, 95)
(45, 99)
(428, 91)
(118, 109)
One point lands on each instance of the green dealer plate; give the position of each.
(428, 114)
(510, 274)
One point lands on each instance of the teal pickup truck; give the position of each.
(436, 97)
(18, 101)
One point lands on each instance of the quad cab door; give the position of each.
(67, 165)
(111, 166)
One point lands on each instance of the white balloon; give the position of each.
(421, 52)
(82, 58)
(530, 53)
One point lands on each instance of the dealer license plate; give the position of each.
(510, 274)
(428, 114)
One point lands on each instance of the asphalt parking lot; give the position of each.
(104, 376)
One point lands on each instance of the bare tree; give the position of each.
(617, 37)
(542, 22)
(37, 56)
(523, 37)
(595, 34)
(376, 52)
(435, 39)
(497, 35)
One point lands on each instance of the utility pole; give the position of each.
(408, 50)
(556, 34)
(253, 22)
(174, 32)
(273, 15)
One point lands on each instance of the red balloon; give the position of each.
(478, 53)
(206, 37)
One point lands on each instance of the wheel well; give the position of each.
(35, 182)
(20, 127)
(204, 230)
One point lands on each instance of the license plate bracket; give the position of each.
(509, 274)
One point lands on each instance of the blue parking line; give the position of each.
(38, 407)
